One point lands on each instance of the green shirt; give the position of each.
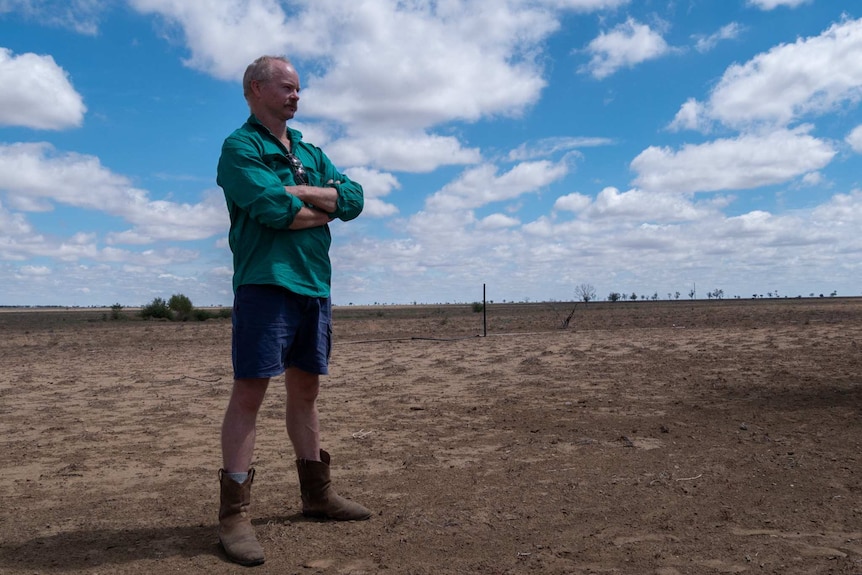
(253, 171)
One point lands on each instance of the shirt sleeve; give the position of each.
(351, 197)
(253, 186)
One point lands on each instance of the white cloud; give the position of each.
(497, 222)
(20, 242)
(626, 45)
(375, 186)
(162, 220)
(745, 162)
(635, 205)
(36, 176)
(844, 212)
(813, 179)
(432, 63)
(728, 32)
(13, 224)
(584, 5)
(811, 76)
(690, 117)
(34, 270)
(82, 16)
(438, 228)
(402, 64)
(651, 236)
(772, 4)
(18, 239)
(401, 151)
(225, 36)
(105, 276)
(550, 146)
(36, 93)
(854, 138)
(572, 202)
(643, 206)
(482, 185)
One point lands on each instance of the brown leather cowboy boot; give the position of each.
(319, 499)
(235, 531)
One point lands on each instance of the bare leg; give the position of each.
(301, 418)
(240, 419)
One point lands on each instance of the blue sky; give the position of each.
(644, 146)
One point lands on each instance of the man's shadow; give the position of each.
(89, 548)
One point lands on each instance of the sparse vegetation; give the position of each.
(585, 292)
(180, 308)
(156, 309)
(715, 294)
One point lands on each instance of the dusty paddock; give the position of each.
(647, 438)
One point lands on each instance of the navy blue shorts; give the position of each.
(274, 328)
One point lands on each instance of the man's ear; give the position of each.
(255, 87)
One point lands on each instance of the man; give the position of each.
(281, 193)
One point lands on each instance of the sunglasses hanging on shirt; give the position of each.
(297, 168)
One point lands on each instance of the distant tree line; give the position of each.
(179, 308)
(586, 293)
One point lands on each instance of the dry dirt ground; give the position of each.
(647, 438)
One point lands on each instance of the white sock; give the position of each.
(239, 477)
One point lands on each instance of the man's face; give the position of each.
(279, 96)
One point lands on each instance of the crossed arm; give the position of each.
(323, 200)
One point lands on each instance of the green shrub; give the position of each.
(157, 309)
(181, 306)
(478, 306)
(115, 311)
(205, 314)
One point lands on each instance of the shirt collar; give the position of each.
(294, 135)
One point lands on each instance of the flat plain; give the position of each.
(650, 437)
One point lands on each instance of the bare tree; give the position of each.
(565, 323)
(585, 292)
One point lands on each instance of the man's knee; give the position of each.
(302, 385)
(248, 394)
